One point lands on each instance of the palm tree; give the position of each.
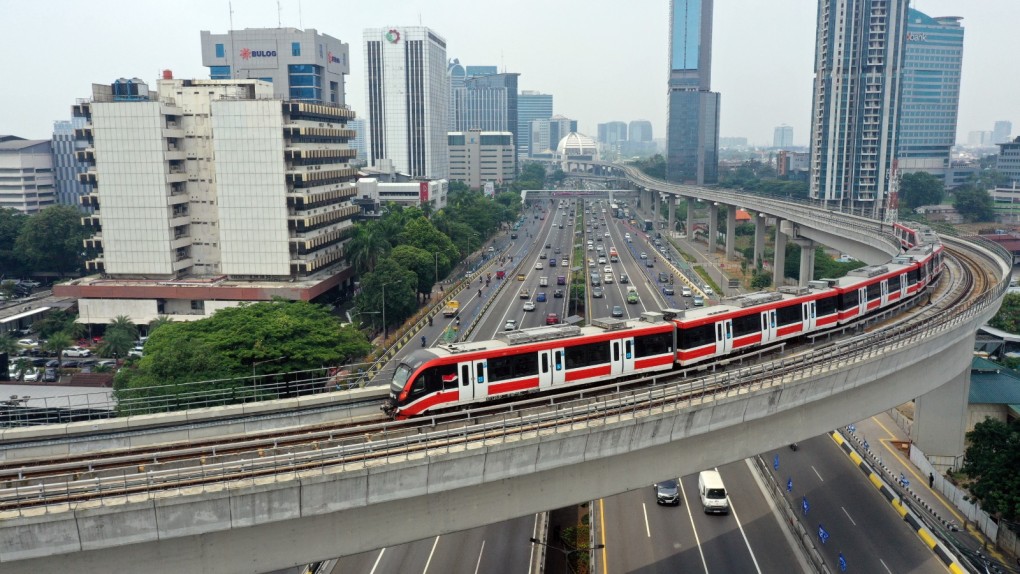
(367, 246)
(123, 323)
(159, 322)
(116, 343)
(8, 345)
(57, 343)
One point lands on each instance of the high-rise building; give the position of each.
(858, 62)
(1008, 161)
(546, 134)
(1001, 131)
(27, 168)
(930, 93)
(219, 181)
(408, 95)
(488, 103)
(300, 64)
(456, 73)
(477, 157)
(693, 123)
(782, 137)
(612, 133)
(66, 165)
(979, 138)
(531, 105)
(640, 131)
(473, 71)
(358, 143)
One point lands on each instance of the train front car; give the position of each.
(404, 380)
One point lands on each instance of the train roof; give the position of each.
(738, 302)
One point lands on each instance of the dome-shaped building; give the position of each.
(576, 147)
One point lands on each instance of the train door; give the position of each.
(466, 380)
(559, 367)
(862, 301)
(885, 292)
(480, 379)
(723, 337)
(628, 354)
(545, 369)
(768, 326)
(808, 311)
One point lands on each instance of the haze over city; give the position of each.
(601, 61)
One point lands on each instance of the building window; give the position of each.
(219, 50)
(219, 72)
(295, 48)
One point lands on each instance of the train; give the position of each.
(559, 356)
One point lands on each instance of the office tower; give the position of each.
(531, 105)
(979, 138)
(930, 93)
(473, 71)
(300, 64)
(488, 103)
(858, 62)
(782, 137)
(66, 165)
(1008, 161)
(408, 94)
(27, 168)
(640, 131)
(693, 123)
(455, 74)
(478, 156)
(358, 143)
(612, 133)
(546, 134)
(1001, 132)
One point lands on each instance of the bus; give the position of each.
(648, 225)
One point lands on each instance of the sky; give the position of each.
(603, 60)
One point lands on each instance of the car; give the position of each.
(50, 375)
(558, 294)
(529, 305)
(617, 311)
(663, 277)
(552, 319)
(626, 235)
(686, 291)
(591, 264)
(542, 256)
(520, 277)
(71, 364)
(557, 250)
(32, 375)
(607, 269)
(39, 361)
(699, 301)
(76, 351)
(28, 343)
(632, 296)
(552, 262)
(107, 363)
(492, 249)
(624, 279)
(643, 255)
(599, 238)
(667, 492)
(548, 245)
(668, 290)
(511, 324)
(539, 265)
(602, 261)
(540, 297)
(708, 290)
(648, 263)
(607, 234)
(137, 352)
(597, 292)
(513, 236)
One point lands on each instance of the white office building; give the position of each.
(478, 157)
(26, 174)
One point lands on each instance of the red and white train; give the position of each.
(535, 360)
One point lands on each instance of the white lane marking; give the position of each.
(479, 563)
(848, 516)
(694, 529)
(817, 474)
(648, 529)
(534, 534)
(886, 567)
(743, 534)
(377, 560)
(429, 561)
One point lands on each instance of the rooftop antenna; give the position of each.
(279, 11)
(419, 18)
(231, 8)
(299, 21)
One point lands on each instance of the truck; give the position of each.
(451, 308)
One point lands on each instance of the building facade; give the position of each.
(546, 134)
(212, 189)
(301, 65)
(930, 101)
(358, 143)
(26, 174)
(1001, 131)
(531, 106)
(66, 166)
(374, 195)
(782, 137)
(692, 148)
(408, 98)
(487, 103)
(477, 157)
(858, 61)
(1008, 161)
(612, 133)
(640, 131)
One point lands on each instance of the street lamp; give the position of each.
(384, 326)
(437, 266)
(566, 552)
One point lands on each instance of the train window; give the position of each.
(789, 315)
(874, 291)
(585, 355)
(628, 344)
(545, 363)
(559, 360)
(694, 337)
(912, 277)
(480, 372)
(466, 375)
(825, 306)
(616, 351)
(848, 300)
(503, 368)
(894, 283)
(923, 272)
(435, 379)
(746, 325)
(648, 345)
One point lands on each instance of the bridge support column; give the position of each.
(671, 222)
(731, 228)
(713, 231)
(807, 260)
(691, 202)
(759, 239)
(779, 260)
(940, 420)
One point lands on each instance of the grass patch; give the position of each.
(708, 280)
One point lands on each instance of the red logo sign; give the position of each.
(245, 54)
(423, 191)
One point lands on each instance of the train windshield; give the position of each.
(399, 378)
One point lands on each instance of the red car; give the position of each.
(552, 319)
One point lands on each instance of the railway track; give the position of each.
(291, 452)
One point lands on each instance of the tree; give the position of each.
(8, 345)
(399, 290)
(1008, 317)
(920, 188)
(761, 280)
(974, 203)
(159, 322)
(11, 223)
(654, 166)
(421, 262)
(367, 246)
(52, 239)
(57, 343)
(123, 323)
(116, 343)
(422, 234)
(992, 457)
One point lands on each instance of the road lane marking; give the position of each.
(817, 474)
(886, 567)
(648, 529)
(743, 534)
(848, 516)
(602, 528)
(534, 534)
(377, 560)
(694, 529)
(429, 561)
(479, 563)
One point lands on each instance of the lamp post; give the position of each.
(437, 266)
(384, 326)
(566, 552)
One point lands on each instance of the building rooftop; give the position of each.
(991, 383)
(19, 144)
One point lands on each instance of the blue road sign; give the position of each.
(789, 485)
(842, 563)
(823, 534)
(775, 462)
(804, 505)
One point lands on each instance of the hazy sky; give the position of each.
(602, 60)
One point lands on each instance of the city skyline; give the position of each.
(762, 59)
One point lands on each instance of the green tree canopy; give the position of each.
(1008, 317)
(421, 262)
(11, 224)
(992, 460)
(920, 188)
(51, 240)
(974, 203)
(400, 286)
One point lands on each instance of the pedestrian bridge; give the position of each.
(495, 469)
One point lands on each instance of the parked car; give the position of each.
(106, 363)
(50, 375)
(76, 352)
(32, 375)
(32, 343)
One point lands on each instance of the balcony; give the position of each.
(88, 177)
(94, 242)
(97, 265)
(90, 200)
(179, 220)
(87, 155)
(172, 131)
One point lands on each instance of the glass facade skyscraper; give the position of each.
(930, 93)
(692, 147)
(487, 103)
(531, 105)
(66, 166)
(858, 61)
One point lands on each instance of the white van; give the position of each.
(713, 493)
(543, 281)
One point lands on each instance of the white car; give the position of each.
(602, 260)
(136, 352)
(539, 265)
(76, 352)
(607, 234)
(529, 305)
(511, 324)
(32, 343)
(33, 375)
(607, 269)
(708, 290)
(644, 255)
(685, 291)
(626, 235)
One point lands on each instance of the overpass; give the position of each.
(440, 479)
